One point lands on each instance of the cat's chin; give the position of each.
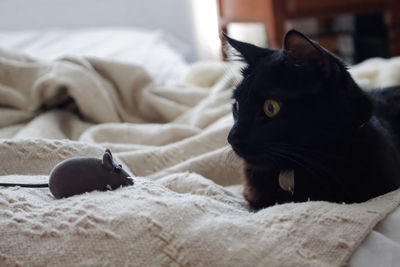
(262, 163)
(254, 161)
(251, 159)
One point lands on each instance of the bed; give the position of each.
(165, 121)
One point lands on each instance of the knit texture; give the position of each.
(185, 208)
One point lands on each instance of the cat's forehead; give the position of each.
(274, 76)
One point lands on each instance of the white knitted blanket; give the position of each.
(185, 208)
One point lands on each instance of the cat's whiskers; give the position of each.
(320, 154)
(290, 158)
(311, 164)
(273, 160)
(314, 173)
(230, 157)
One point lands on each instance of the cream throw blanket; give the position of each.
(185, 208)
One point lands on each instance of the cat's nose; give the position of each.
(234, 140)
(237, 144)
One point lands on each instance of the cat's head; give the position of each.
(300, 95)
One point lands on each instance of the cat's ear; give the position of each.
(302, 50)
(251, 53)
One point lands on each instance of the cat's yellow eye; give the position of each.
(271, 107)
(237, 105)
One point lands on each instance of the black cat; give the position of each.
(306, 131)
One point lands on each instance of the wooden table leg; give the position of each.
(223, 29)
(392, 19)
(275, 23)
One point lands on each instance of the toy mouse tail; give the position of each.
(25, 185)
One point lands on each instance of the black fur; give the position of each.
(342, 143)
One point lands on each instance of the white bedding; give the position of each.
(159, 53)
(155, 54)
(382, 246)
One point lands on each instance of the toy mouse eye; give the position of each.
(271, 107)
(118, 168)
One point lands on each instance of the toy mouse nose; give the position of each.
(130, 180)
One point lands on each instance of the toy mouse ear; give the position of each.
(107, 161)
(108, 151)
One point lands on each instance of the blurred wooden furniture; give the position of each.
(274, 13)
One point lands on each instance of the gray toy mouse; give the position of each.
(84, 174)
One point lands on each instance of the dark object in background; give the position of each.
(370, 37)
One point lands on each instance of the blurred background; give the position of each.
(189, 25)
(353, 29)
(190, 29)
